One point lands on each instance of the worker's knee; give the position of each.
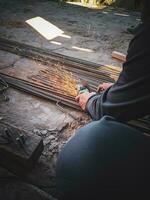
(101, 157)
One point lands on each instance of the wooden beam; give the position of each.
(119, 56)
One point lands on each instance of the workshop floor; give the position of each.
(90, 35)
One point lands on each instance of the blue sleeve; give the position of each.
(93, 107)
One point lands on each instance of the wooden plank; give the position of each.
(119, 56)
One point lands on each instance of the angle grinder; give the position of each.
(83, 87)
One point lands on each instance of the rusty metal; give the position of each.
(47, 82)
(25, 86)
(48, 57)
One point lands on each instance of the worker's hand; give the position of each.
(103, 86)
(83, 98)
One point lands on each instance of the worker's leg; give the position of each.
(103, 158)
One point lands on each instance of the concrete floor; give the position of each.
(100, 31)
(91, 35)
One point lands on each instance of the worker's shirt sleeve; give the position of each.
(93, 107)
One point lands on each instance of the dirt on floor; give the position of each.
(88, 34)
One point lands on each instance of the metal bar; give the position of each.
(40, 92)
(47, 56)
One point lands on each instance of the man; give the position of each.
(106, 159)
(129, 97)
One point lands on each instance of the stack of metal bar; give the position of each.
(43, 83)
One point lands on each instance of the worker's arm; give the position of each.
(91, 102)
(94, 103)
(93, 107)
(83, 98)
(129, 97)
(104, 86)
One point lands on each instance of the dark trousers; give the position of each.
(103, 160)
